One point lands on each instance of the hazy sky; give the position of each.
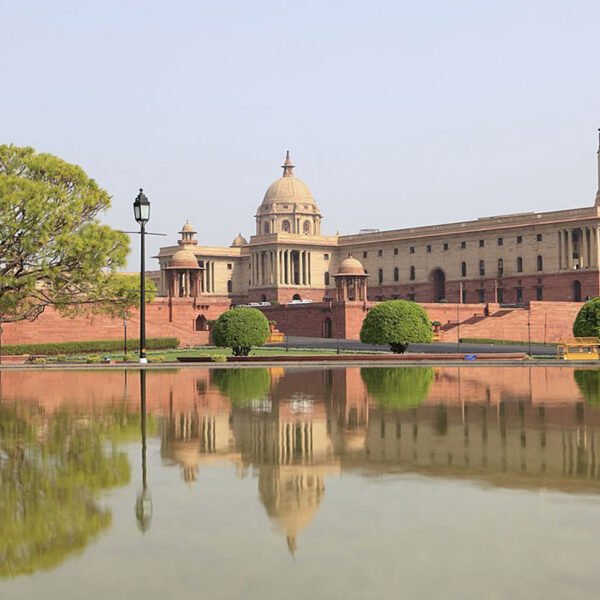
(397, 113)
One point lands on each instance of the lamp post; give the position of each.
(141, 212)
(125, 338)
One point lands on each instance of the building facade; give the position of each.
(508, 259)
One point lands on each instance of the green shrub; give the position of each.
(398, 387)
(53, 348)
(157, 358)
(93, 359)
(40, 360)
(60, 358)
(397, 323)
(587, 321)
(219, 358)
(240, 329)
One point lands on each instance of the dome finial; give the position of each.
(288, 165)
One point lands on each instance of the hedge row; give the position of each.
(90, 346)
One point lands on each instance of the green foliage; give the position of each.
(59, 348)
(240, 329)
(587, 321)
(93, 359)
(156, 358)
(242, 386)
(53, 249)
(397, 323)
(219, 358)
(588, 382)
(51, 473)
(398, 387)
(126, 293)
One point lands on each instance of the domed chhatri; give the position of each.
(239, 241)
(184, 259)
(288, 206)
(351, 266)
(187, 235)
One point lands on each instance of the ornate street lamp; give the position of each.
(141, 212)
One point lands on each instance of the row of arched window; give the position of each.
(463, 269)
(286, 227)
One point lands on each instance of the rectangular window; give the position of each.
(539, 237)
(412, 250)
(395, 251)
(481, 243)
(325, 256)
(519, 295)
(500, 296)
(500, 242)
(463, 296)
(411, 297)
(539, 293)
(463, 245)
(379, 252)
(365, 254)
(481, 295)
(229, 266)
(445, 245)
(519, 239)
(428, 247)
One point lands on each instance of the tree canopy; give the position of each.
(240, 329)
(397, 323)
(587, 321)
(53, 249)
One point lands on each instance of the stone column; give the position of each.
(583, 253)
(594, 243)
(569, 249)
(309, 270)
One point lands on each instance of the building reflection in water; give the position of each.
(526, 427)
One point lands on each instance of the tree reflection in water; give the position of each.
(398, 387)
(51, 470)
(242, 386)
(588, 382)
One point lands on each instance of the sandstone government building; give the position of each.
(509, 259)
(511, 277)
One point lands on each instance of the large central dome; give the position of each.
(288, 207)
(288, 188)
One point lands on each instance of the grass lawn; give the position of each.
(171, 355)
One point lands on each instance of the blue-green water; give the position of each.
(349, 483)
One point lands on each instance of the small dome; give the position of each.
(183, 259)
(238, 241)
(351, 266)
(188, 227)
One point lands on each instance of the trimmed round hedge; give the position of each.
(397, 323)
(587, 321)
(240, 329)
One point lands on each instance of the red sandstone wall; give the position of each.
(164, 318)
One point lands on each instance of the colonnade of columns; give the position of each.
(184, 283)
(578, 248)
(280, 267)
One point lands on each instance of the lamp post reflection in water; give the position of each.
(143, 503)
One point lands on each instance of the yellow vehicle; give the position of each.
(581, 348)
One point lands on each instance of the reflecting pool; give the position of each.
(472, 482)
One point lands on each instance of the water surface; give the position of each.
(473, 482)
